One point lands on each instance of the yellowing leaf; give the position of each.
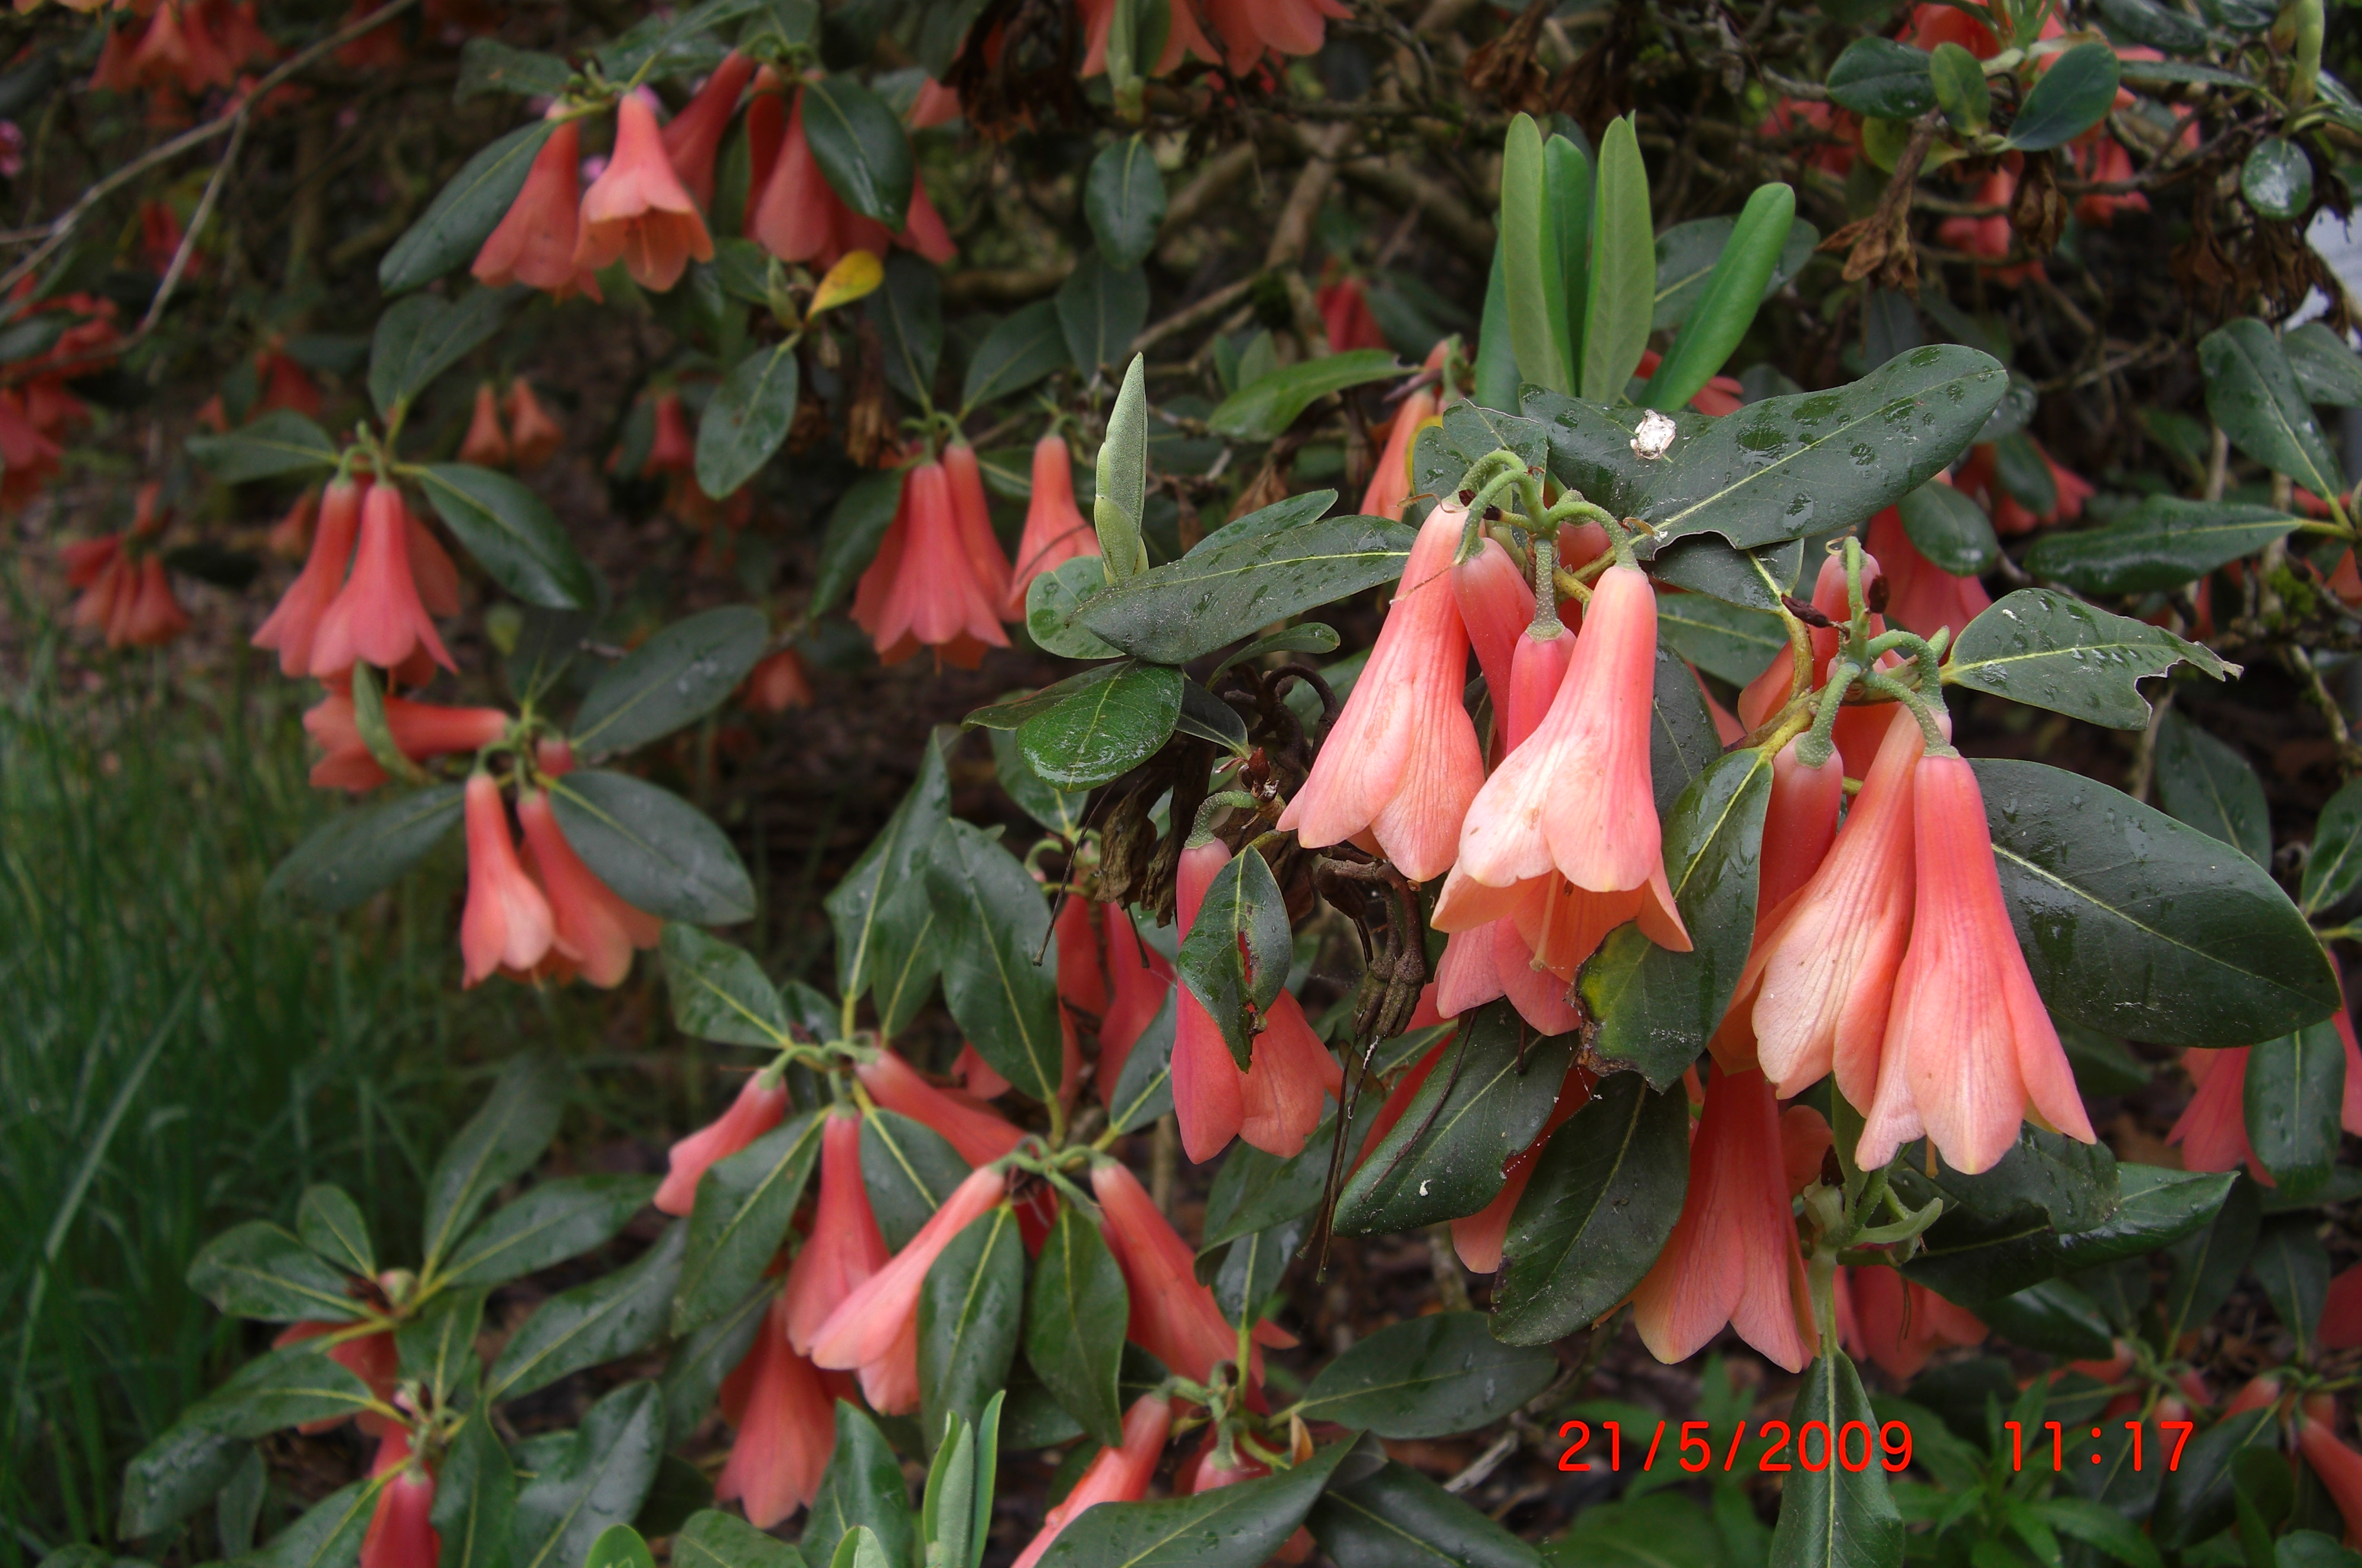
(850, 279)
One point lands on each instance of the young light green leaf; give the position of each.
(1530, 268)
(1120, 500)
(1623, 275)
(1732, 294)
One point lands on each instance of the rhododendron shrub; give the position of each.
(1618, 704)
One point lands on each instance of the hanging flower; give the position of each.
(486, 443)
(981, 1136)
(378, 615)
(596, 929)
(1056, 529)
(695, 133)
(1924, 597)
(506, 924)
(845, 1246)
(401, 1529)
(637, 210)
(536, 240)
(1899, 1323)
(786, 1421)
(420, 731)
(1117, 1475)
(875, 1331)
(923, 589)
(1174, 1317)
(1345, 313)
(1138, 980)
(534, 436)
(758, 1110)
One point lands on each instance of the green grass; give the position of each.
(175, 1059)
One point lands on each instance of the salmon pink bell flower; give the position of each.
(964, 475)
(1389, 488)
(379, 615)
(1082, 968)
(1117, 1475)
(2341, 1311)
(402, 1529)
(637, 210)
(695, 133)
(1899, 1323)
(873, 1331)
(534, 436)
(155, 616)
(1287, 1075)
(981, 1136)
(672, 449)
(2339, 1469)
(1174, 1317)
(596, 928)
(1496, 607)
(1056, 529)
(845, 1246)
(1345, 314)
(2213, 1128)
(1245, 29)
(486, 443)
(1402, 762)
(1209, 1087)
(787, 1427)
(923, 589)
(1138, 980)
(506, 924)
(536, 239)
(1732, 1257)
(1859, 729)
(1970, 1047)
(778, 682)
(420, 731)
(758, 1110)
(1923, 597)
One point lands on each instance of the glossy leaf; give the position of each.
(1116, 718)
(694, 1372)
(1245, 576)
(1976, 1260)
(2161, 544)
(328, 1535)
(1076, 1309)
(1254, 1191)
(1230, 1527)
(719, 991)
(1952, 531)
(1119, 496)
(1265, 407)
(2334, 867)
(674, 679)
(1144, 1090)
(1654, 1007)
(475, 1497)
(2294, 1087)
(1399, 1519)
(174, 1475)
(1059, 811)
(356, 855)
(1683, 742)
(332, 1225)
(1124, 199)
(2292, 1266)
(908, 312)
(1054, 605)
(2203, 782)
(1733, 293)
(879, 912)
(2197, 1500)
(2047, 650)
(1603, 1199)
(860, 147)
(1251, 1269)
(2325, 368)
(1427, 1376)
(2254, 394)
(908, 1169)
(283, 1387)
(715, 1540)
(2141, 927)
(422, 336)
(740, 1217)
(281, 442)
(2074, 92)
(1883, 79)
(747, 419)
(2054, 1317)
(258, 1270)
(1027, 345)
(554, 1220)
(1960, 82)
(1622, 278)
(656, 850)
(498, 1144)
(593, 1477)
(1483, 1102)
(862, 1489)
(1236, 958)
(1835, 1517)
(1531, 273)
(1686, 255)
(436, 1348)
(971, 1308)
(612, 1316)
(994, 916)
(1101, 308)
(2276, 179)
(512, 534)
(465, 212)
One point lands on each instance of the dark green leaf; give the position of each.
(1254, 1191)
(488, 66)
(328, 1535)
(282, 442)
(1123, 198)
(747, 419)
(674, 679)
(1144, 1090)
(436, 1348)
(2334, 867)
(1951, 530)
(174, 1475)
(995, 918)
(1399, 1519)
(1101, 308)
(1076, 1309)
(620, 1546)
(2276, 179)
(2161, 544)
(512, 534)
(2160, 27)
(1054, 603)
(1029, 344)
(2054, 1317)
(908, 311)
(878, 924)
(258, 1270)
(1752, 579)
(1883, 79)
(1427, 1376)
(1236, 956)
(856, 525)
(284, 1388)
(556, 1221)
(2141, 927)
(498, 1144)
(1686, 254)
(2049, 651)
(861, 147)
(1485, 1100)
(1117, 718)
(2205, 783)
(465, 212)
(1250, 1270)
(2254, 396)
(1210, 718)
(610, 1317)
(672, 43)
(356, 855)
(656, 850)
(2325, 368)
(718, 992)
(908, 1169)
(1835, 1517)
(2197, 1500)
(421, 337)
(694, 1372)
(741, 1213)
(1242, 578)
(1655, 1008)
(332, 1225)
(1603, 1199)
(1261, 410)
(2294, 1087)
(863, 1489)
(1230, 1527)
(2294, 1268)
(2094, 1525)
(593, 1477)
(971, 1309)
(715, 1540)
(2074, 94)
(475, 1497)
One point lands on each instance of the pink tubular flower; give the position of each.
(1056, 529)
(2213, 1128)
(1732, 1257)
(1800, 823)
(401, 1529)
(1345, 314)
(1389, 489)
(777, 683)
(1859, 729)
(378, 615)
(797, 216)
(1816, 984)
(1402, 761)
(638, 210)
(1184, 38)
(486, 443)
(2339, 1469)
(980, 1136)
(534, 436)
(1287, 1078)
(875, 1330)
(695, 133)
(1082, 969)
(1138, 980)
(1174, 1317)
(154, 616)
(1970, 1046)
(986, 557)
(923, 589)
(1496, 606)
(2341, 1311)
(420, 730)
(536, 239)
(787, 1427)
(1245, 29)
(372, 1358)
(1923, 597)
(844, 1247)
(1117, 1475)
(596, 929)
(506, 924)
(755, 1111)
(1209, 1088)
(1899, 1323)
